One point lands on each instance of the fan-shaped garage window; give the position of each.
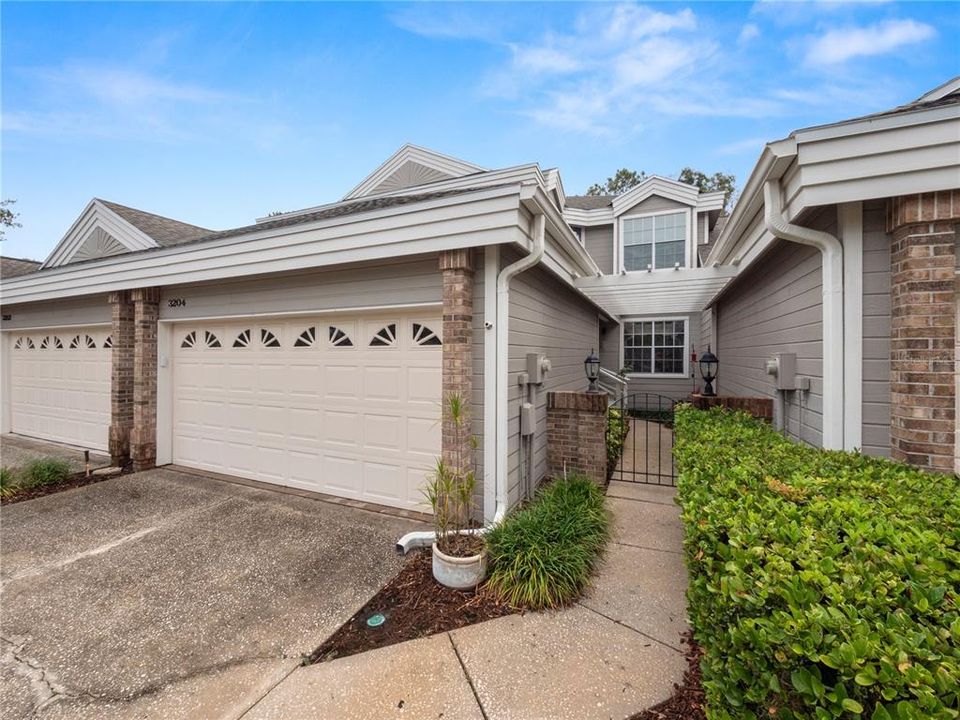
(385, 337)
(30, 345)
(422, 335)
(57, 343)
(242, 340)
(338, 338)
(82, 342)
(45, 343)
(189, 340)
(108, 343)
(269, 339)
(18, 345)
(308, 338)
(210, 340)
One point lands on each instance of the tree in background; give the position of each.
(8, 218)
(624, 179)
(711, 183)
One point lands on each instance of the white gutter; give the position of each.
(502, 334)
(833, 338)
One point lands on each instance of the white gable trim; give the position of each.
(656, 185)
(412, 153)
(97, 215)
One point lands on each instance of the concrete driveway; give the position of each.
(169, 595)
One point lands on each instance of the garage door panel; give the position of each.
(59, 392)
(319, 408)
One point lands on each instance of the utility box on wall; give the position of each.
(783, 367)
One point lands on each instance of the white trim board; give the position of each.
(656, 375)
(95, 216)
(432, 159)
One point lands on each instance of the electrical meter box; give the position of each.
(528, 419)
(783, 367)
(537, 366)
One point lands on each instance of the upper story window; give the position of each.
(654, 241)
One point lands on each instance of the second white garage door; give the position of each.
(348, 406)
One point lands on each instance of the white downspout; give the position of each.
(502, 334)
(503, 355)
(833, 339)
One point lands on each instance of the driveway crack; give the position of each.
(466, 674)
(44, 685)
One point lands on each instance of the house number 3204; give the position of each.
(176, 302)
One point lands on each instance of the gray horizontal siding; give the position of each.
(876, 332)
(599, 243)
(90, 310)
(548, 317)
(655, 203)
(382, 283)
(476, 408)
(775, 306)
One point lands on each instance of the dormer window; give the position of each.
(654, 242)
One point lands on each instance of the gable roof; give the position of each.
(412, 166)
(589, 202)
(14, 267)
(165, 231)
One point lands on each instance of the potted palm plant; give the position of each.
(459, 555)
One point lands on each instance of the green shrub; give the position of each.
(618, 426)
(6, 482)
(542, 555)
(822, 584)
(46, 471)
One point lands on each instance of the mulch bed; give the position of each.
(687, 701)
(415, 606)
(78, 479)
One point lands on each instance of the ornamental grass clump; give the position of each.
(543, 555)
(823, 584)
(46, 471)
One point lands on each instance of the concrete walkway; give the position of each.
(613, 654)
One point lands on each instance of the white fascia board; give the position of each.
(710, 201)
(553, 182)
(588, 218)
(424, 156)
(94, 215)
(534, 197)
(941, 91)
(875, 124)
(656, 185)
(505, 176)
(489, 216)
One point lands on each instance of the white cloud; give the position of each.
(748, 32)
(741, 147)
(543, 60)
(454, 22)
(840, 45)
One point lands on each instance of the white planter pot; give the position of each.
(459, 573)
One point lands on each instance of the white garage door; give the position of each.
(60, 386)
(348, 406)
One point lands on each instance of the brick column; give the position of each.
(456, 266)
(143, 437)
(577, 434)
(923, 328)
(121, 377)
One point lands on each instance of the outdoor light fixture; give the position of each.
(592, 367)
(708, 369)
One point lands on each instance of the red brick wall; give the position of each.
(759, 407)
(143, 437)
(456, 266)
(121, 377)
(577, 434)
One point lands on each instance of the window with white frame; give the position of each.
(655, 347)
(657, 241)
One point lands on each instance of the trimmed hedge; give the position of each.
(822, 584)
(542, 555)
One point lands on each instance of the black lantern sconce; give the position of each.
(708, 370)
(592, 367)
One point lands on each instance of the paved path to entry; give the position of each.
(614, 653)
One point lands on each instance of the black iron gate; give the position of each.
(648, 439)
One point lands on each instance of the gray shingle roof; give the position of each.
(589, 202)
(166, 231)
(920, 104)
(13, 267)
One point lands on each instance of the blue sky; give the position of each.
(219, 113)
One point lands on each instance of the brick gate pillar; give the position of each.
(577, 434)
(923, 328)
(456, 266)
(121, 377)
(143, 437)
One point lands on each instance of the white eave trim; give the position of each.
(488, 216)
(588, 218)
(656, 185)
(415, 153)
(94, 215)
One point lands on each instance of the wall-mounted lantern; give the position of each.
(708, 370)
(592, 368)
